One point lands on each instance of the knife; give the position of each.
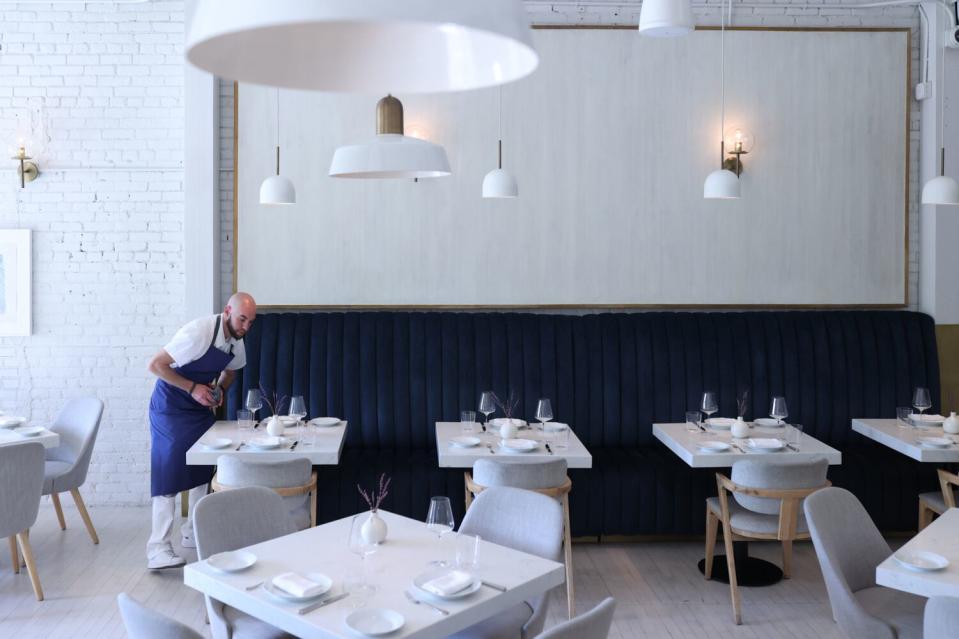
(494, 586)
(548, 449)
(294, 444)
(320, 604)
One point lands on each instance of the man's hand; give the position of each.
(204, 395)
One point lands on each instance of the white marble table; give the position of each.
(685, 445)
(888, 433)
(940, 537)
(408, 549)
(576, 454)
(326, 451)
(10, 436)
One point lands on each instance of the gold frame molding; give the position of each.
(600, 27)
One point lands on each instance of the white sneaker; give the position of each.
(165, 558)
(187, 540)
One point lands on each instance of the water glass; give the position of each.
(903, 414)
(560, 437)
(467, 421)
(795, 436)
(309, 435)
(467, 552)
(244, 419)
(692, 421)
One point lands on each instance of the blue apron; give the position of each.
(177, 421)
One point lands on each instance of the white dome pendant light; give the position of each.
(666, 18)
(500, 183)
(361, 46)
(277, 190)
(391, 154)
(722, 184)
(942, 190)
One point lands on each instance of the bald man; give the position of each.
(193, 370)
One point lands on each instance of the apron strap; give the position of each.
(216, 331)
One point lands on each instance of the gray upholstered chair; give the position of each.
(591, 625)
(941, 619)
(21, 480)
(936, 502)
(545, 477)
(235, 519)
(528, 522)
(66, 465)
(766, 505)
(292, 479)
(849, 547)
(143, 623)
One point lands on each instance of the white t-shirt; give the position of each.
(190, 343)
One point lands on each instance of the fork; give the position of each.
(413, 599)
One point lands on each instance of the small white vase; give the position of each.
(740, 428)
(951, 425)
(274, 426)
(508, 429)
(373, 529)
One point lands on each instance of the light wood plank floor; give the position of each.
(659, 591)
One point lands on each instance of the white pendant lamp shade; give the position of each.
(666, 18)
(721, 185)
(500, 183)
(390, 154)
(941, 190)
(362, 46)
(277, 190)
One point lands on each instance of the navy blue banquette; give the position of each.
(611, 376)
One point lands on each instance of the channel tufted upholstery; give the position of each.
(611, 376)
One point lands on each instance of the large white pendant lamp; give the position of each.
(942, 190)
(362, 46)
(722, 184)
(390, 154)
(500, 183)
(277, 190)
(666, 18)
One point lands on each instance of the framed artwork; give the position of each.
(15, 276)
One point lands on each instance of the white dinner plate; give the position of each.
(215, 443)
(232, 561)
(921, 560)
(499, 421)
(926, 421)
(29, 431)
(714, 446)
(720, 423)
(266, 443)
(769, 422)
(9, 421)
(423, 578)
(519, 445)
(464, 442)
(765, 444)
(555, 427)
(325, 584)
(934, 442)
(325, 422)
(375, 621)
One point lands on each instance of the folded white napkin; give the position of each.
(927, 417)
(448, 584)
(763, 442)
(297, 585)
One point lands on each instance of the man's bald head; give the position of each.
(239, 313)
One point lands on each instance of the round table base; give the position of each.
(750, 571)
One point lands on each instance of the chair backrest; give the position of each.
(755, 473)
(941, 618)
(21, 483)
(143, 623)
(237, 518)
(948, 482)
(77, 425)
(519, 474)
(591, 625)
(519, 519)
(236, 472)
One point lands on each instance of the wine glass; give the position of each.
(297, 408)
(921, 400)
(709, 405)
(544, 413)
(363, 546)
(254, 401)
(487, 406)
(778, 410)
(439, 520)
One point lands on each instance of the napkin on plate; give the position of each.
(297, 585)
(448, 584)
(763, 442)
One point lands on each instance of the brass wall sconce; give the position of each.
(27, 170)
(737, 142)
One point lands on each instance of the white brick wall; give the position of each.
(108, 247)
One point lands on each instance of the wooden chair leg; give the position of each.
(85, 515)
(56, 506)
(14, 555)
(313, 508)
(468, 496)
(24, 539)
(568, 558)
(712, 528)
(731, 567)
(787, 558)
(925, 515)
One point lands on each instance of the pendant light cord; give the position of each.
(278, 131)
(500, 125)
(942, 111)
(722, 75)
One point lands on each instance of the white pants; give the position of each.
(164, 512)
